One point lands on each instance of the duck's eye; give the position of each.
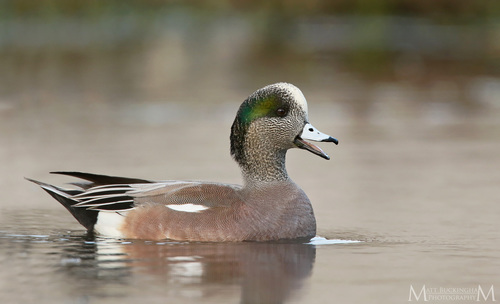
(281, 112)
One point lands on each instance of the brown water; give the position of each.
(415, 177)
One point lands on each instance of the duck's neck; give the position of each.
(260, 167)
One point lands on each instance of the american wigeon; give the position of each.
(269, 205)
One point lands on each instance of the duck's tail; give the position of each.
(74, 200)
(86, 217)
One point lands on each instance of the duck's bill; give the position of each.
(311, 133)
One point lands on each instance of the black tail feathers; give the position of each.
(101, 180)
(86, 217)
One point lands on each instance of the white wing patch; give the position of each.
(187, 207)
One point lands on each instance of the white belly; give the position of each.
(110, 223)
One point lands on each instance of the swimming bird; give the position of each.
(268, 206)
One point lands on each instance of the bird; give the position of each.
(268, 206)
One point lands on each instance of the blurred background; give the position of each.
(150, 88)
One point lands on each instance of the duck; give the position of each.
(268, 206)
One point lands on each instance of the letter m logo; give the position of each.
(485, 297)
(417, 297)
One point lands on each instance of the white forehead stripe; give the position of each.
(187, 207)
(296, 94)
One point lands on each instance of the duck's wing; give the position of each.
(118, 194)
(202, 194)
(176, 195)
(113, 193)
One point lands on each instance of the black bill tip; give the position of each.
(331, 139)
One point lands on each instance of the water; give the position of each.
(77, 269)
(70, 267)
(415, 177)
(57, 265)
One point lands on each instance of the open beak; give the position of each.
(311, 133)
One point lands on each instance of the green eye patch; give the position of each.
(257, 108)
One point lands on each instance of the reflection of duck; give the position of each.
(266, 272)
(270, 206)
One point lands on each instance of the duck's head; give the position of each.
(272, 120)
